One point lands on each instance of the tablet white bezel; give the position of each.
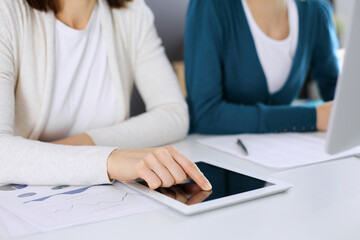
(216, 203)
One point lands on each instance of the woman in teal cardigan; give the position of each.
(228, 88)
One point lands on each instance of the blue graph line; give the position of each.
(27, 195)
(72, 192)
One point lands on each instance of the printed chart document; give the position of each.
(45, 208)
(13, 226)
(277, 151)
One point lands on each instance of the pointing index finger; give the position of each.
(190, 169)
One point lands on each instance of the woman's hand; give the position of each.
(322, 115)
(159, 167)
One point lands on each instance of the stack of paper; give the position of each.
(30, 209)
(277, 151)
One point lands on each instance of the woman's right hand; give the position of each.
(159, 167)
(322, 115)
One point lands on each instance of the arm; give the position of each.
(166, 118)
(325, 65)
(76, 140)
(31, 162)
(211, 113)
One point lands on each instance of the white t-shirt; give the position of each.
(83, 96)
(276, 56)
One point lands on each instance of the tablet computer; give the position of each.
(230, 186)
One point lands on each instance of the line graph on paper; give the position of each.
(92, 203)
(74, 205)
(96, 205)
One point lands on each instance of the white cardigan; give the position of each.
(27, 49)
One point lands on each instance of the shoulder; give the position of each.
(7, 8)
(215, 17)
(135, 5)
(136, 10)
(212, 6)
(322, 5)
(14, 8)
(213, 3)
(318, 8)
(8, 4)
(134, 20)
(219, 12)
(9, 11)
(14, 14)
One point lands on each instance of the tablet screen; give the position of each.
(224, 182)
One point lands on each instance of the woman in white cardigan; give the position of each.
(66, 74)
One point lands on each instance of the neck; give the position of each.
(75, 13)
(271, 15)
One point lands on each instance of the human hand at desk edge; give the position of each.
(159, 167)
(322, 115)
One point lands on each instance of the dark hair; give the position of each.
(45, 5)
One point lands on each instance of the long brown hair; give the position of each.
(45, 5)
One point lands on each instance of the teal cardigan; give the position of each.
(227, 88)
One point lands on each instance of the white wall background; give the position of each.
(343, 10)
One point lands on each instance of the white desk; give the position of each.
(323, 205)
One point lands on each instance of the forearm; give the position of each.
(157, 127)
(76, 140)
(230, 118)
(32, 162)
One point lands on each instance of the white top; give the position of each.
(27, 76)
(83, 96)
(276, 56)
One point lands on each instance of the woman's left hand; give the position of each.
(322, 116)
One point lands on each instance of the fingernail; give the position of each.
(208, 186)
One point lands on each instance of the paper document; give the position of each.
(13, 226)
(277, 151)
(45, 208)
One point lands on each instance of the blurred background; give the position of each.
(342, 12)
(170, 21)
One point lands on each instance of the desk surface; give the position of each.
(324, 204)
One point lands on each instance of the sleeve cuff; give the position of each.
(289, 119)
